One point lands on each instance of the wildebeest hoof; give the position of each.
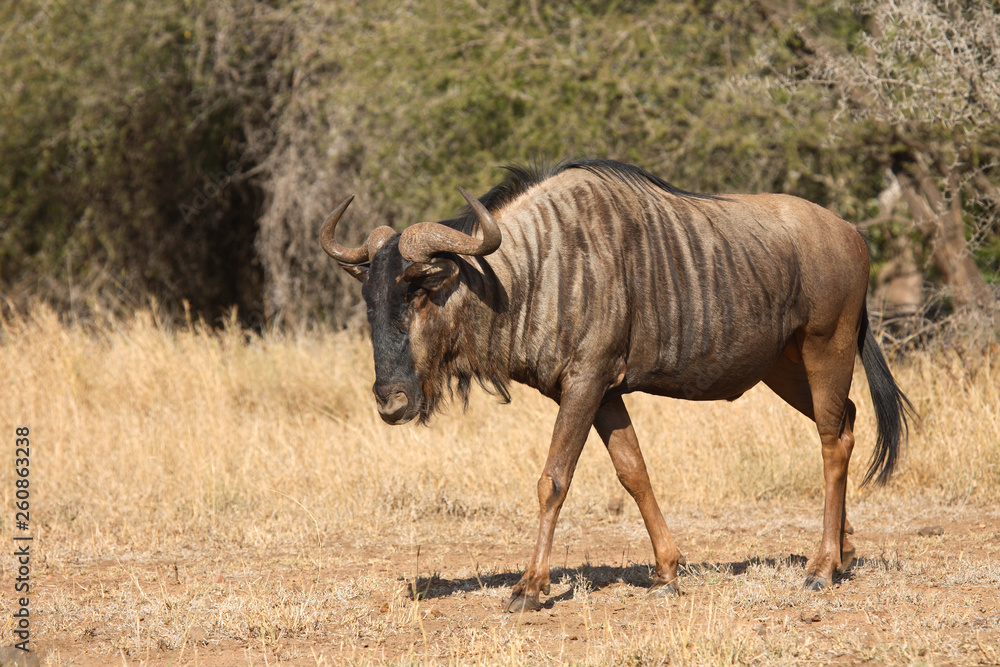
(815, 583)
(846, 561)
(518, 603)
(659, 590)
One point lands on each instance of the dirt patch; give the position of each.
(201, 498)
(908, 598)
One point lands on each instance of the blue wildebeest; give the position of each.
(594, 278)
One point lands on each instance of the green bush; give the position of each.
(190, 149)
(124, 136)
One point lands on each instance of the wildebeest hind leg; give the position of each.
(615, 428)
(829, 364)
(578, 404)
(788, 379)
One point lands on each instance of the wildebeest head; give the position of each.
(406, 278)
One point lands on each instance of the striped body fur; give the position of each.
(594, 279)
(640, 283)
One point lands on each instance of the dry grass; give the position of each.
(204, 497)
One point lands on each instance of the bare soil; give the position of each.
(909, 598)
(198, 497)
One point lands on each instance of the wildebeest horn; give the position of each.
(351, 255)
(420, 242)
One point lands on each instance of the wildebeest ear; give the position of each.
(431, 276)
(359, 271)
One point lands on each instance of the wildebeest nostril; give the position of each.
(393, 408)
(383, 390)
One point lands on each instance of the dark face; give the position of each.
(395, 291)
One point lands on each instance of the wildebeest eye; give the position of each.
(413, 291)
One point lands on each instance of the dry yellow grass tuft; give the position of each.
(216, 497)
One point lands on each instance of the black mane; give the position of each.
(521, 179)
(524, 177)
(629, 174)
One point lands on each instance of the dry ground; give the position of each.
(212, 499)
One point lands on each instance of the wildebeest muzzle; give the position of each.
(398, 402)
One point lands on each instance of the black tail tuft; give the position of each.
(891, 406)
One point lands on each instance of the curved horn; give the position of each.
(351, 255)
(420, 242)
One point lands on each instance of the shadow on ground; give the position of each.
(598, 577)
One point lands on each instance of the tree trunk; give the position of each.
(943, 228)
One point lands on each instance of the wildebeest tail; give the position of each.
(891, 406)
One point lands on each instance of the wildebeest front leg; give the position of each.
(615, 428)
(577, 406)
